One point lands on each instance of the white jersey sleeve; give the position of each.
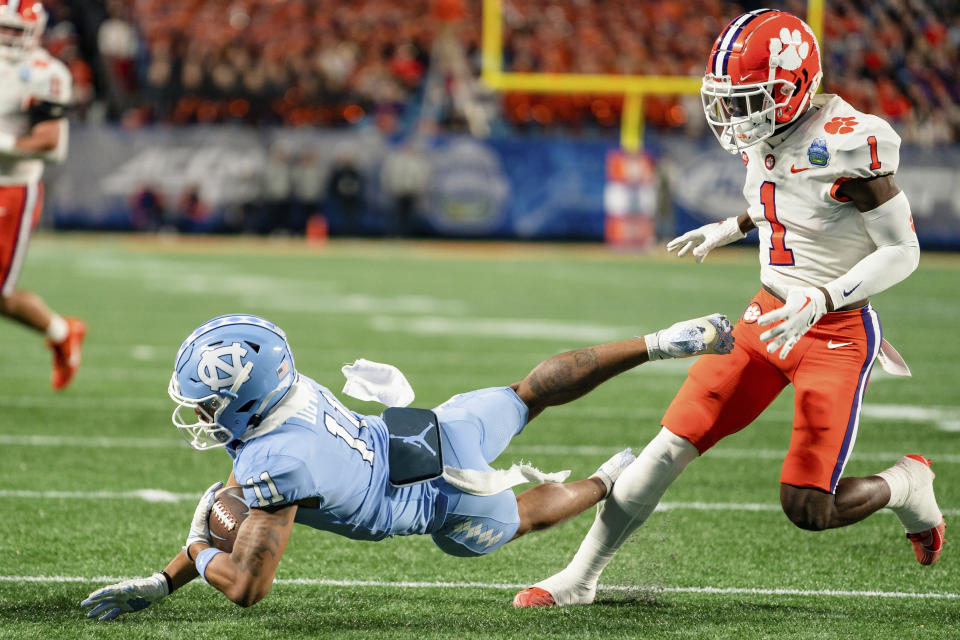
(48, 80)
(36, 79)
(870, 150)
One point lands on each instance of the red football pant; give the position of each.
(20, 207)
(829, 368)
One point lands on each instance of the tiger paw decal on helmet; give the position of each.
(789, 50)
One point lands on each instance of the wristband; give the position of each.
(653, 347)
(7, 141)
(169, 580)
(203, 559)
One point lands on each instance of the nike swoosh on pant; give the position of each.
(837, 345)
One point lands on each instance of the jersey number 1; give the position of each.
(779, 254)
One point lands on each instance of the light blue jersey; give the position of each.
(313, 447)
(328, 452)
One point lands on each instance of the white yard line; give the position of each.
(161, 495)
(106, 442)
(319, 582)
(530, 329)
(944, 418)
(87, 403)
(721, 452)
(148, 495)
(98, 442)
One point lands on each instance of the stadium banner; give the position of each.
(228, 179)
(240, 179)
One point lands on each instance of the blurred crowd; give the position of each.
(324, 62)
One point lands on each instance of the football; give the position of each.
(227, 514)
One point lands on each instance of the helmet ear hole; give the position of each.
(247, 406)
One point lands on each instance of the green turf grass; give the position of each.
(453, 317)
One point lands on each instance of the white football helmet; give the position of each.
(21, 24)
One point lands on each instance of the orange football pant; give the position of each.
(829, 368)
(20, 207)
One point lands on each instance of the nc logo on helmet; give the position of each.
(789, 50)
(213, 363)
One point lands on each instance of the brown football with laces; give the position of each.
(227, 514)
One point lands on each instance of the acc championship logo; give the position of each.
(752, 312)
(818, 154)
(213, 364)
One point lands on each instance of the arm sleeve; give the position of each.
(890, 226)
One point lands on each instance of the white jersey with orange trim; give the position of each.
(35, 77)
(808, 234)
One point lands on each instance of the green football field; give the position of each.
(96, 485)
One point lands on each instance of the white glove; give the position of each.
(126, 596)
(200, 525)
(710, 334)
(801, 310)
(706, 238)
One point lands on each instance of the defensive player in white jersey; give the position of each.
(35, 90)
(834, 229)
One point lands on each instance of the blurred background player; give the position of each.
(35, 90)
(303, 456)
(834, 229)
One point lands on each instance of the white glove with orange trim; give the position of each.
(801, 310)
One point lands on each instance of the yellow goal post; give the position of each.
(632, 88)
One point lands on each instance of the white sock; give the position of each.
(634, 497)
(911, 494)
(899, 482)
(57, 330)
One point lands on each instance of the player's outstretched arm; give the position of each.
(710, 236)
(137, 594)
(568, 376)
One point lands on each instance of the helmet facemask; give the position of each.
(13, 40)
(205, 432)
(742, 115)
(18, 34)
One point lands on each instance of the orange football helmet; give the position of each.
(762, 72)
(21, 24)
